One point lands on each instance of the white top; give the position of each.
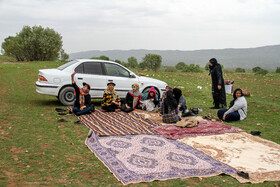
(240, 105)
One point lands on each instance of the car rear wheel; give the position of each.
(66, 96)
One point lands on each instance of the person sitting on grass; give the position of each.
(111, 101)
(237, 109)
(169, 108)
(82, 103)
(132, 99)
(151, 101)
(168, 87)
(181, 100)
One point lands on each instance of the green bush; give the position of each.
(228, 71)
(192, 68)
(262, 72)
(278, 70)
(170, 69)
(132, 62)
(256, 69)
(180, 65)
(4, 58)
(207, 66)
(240, 70)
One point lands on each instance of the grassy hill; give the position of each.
(37, 150)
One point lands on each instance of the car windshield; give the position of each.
(62, 67)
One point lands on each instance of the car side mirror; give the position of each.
(132, 75)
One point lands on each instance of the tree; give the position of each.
(192, 68)
(132, 62)
(143, 65)
(180, 65)
(102, 57)
(278, 70)
(262, 72)
(240, 70)
(63, 56)
(153, 61)
(255, 69)
(207, 66)
(33, 44)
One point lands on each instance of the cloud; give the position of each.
(157, 24)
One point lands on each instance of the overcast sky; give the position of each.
(148, 24)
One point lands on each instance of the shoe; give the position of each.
(206, 117)
(60, 109)
(62, 114)
(61, 120)
(214, 107)
(243, 174)
(78, 122)
(256, 133)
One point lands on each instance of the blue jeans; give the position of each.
(79, 112)
(233, 116)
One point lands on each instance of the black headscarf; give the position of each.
(177, 92)
(234, 96)
(214, 62)
(169, 102)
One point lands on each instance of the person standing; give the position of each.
(218, 85)
(82, 103)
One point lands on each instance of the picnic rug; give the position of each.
(117, 123)
(254, 155)
(204, 128)
(144, 158)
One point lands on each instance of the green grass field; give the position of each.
(37, 150)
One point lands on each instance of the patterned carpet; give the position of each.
(144, 158)
(204, 128)
(254, 155)
(117, 123)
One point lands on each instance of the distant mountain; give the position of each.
(267, 57)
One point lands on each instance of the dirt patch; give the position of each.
(63, 136)
(16, 150)
(45, 146)
(86, 176)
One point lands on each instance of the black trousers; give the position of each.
(127, 110)
(110, 108)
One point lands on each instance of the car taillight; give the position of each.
(42, 78)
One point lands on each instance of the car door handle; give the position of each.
(110, 80)
(80, 78)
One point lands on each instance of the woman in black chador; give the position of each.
(218, 86)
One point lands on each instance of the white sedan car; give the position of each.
(97, 73)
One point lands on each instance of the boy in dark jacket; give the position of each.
(82, 103)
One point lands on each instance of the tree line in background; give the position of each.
(44, 44)
(153, 62)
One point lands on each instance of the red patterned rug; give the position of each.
(204, 128)
(117, 123)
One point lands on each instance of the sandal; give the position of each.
(243, 174)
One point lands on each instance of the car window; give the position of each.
(80, 68)
(89, 68)
(116, 70)
(62, 67)
(93, 68)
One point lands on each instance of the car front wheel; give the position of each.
(66, 96)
